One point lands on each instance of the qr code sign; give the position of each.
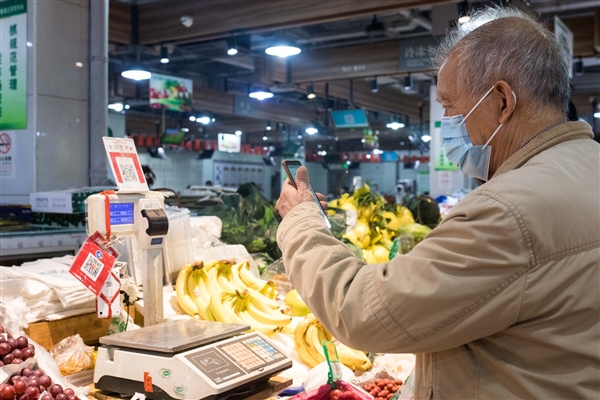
(92, 267)
(128, 173)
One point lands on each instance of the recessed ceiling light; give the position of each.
(283, 50)
(136, 72)
(311, 130)
(395, 125)
(426, 138)
(260, 94)
(238, 133)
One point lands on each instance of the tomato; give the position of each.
(336, 394)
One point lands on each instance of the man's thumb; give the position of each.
(302, 181)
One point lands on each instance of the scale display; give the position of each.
(121, 213)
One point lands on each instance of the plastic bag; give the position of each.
(325, 392)
(72, 355)
(408, 389)
(12, 318)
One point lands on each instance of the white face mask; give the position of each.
(472, 160)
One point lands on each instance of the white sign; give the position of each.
(564, 37)
(7, 154)
(125, 165)
(229, 143)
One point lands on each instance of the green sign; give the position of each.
(13, 64)
(440, 162)
(171, 92)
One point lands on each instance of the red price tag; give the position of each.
(93, 263)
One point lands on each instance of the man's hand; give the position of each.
(290, 197)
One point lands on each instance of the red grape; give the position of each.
(8, 392)
(12, 343)
(33, 381)
(32, 391)
(61, 396)
(43, 389)
(27, 354)
(73, 398)
(55, 390)
(1, 329)
(39, 372)
(46, 396)
(45, 380)
(20, 386)
(4, 349)
(69, 392)
(27, 372)
(23, 397)
(22, 342)
(8, 359)
(2, 339)
(18, 353)
(17, 361)
(31, 346)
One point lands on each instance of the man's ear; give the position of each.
(508, 100)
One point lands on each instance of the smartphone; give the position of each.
(291, 166)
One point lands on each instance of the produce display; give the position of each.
(425, 210)
(32, 384)
(226, 291)
(308, 337)
(378, 223)
(14, 351)
(383, 389)
(297, 306)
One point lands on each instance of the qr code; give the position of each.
(92, 267)
(128, 173)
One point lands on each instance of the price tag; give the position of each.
(125, 165)
(93, 263)
(108, 304)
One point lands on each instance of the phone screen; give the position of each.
(291, 166)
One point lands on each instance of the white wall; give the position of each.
(382, 174)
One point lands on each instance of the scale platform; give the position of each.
(186, 359)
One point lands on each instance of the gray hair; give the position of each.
(505, 44)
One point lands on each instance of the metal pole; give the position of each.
(98, 92)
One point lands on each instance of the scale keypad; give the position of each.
(252, 353)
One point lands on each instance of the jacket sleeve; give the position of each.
(463, 282)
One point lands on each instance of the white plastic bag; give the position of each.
(72, 355)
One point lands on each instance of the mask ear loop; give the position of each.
(478, 103)
(500, 126)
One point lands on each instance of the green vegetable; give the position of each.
(425, 210)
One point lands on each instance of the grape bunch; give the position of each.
(34, 385)
(14, 351)
(383, 389)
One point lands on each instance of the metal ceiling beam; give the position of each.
(159, 22)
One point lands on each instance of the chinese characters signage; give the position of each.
(415, 55)
(171, 92)
(440, 162)
(7, 154)
(13, 64)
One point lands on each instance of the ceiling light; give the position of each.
(374, 86)
(300, 136)
(464, 19)
(164, 55)
(192, 118)
(411, 137)
(265, 138)
(311, 130)
(426, 138)
(408, 82)
(29, 44)
(463, 11)
(395, 125)
(377, 151)
(136, 72)
(204, 120)
(127, 106)
(238, 133)
(185, 129)
(319, 146)
(79, 64)
(401, 143)
(265, 148)
(368, 156)
(597, 115)
(310, 92)
(260, 94)
(282, 49)
(269, 126)
(231, 46)
(363, 140)
(118, 107)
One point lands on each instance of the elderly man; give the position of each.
(501, 300)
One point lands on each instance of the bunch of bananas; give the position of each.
(226, 291)
(308, 338)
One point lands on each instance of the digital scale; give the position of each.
(187, 359)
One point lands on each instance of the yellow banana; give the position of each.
(312, 338)
(301, 344)
(268, 290)
(183, 298)
(236, 279)
(202, 283)
(274, 317)
(321, 336)
(221, 311)
(257, 326)
(249, 279)
(261, 301)
(353, 359)
(191, 290)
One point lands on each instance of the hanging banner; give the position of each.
(13, 64)
(171, 92)
(415, 54)
(440, 162)
(564, 37)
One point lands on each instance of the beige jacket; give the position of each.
(501, 300)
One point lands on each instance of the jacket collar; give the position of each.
(554, 136)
